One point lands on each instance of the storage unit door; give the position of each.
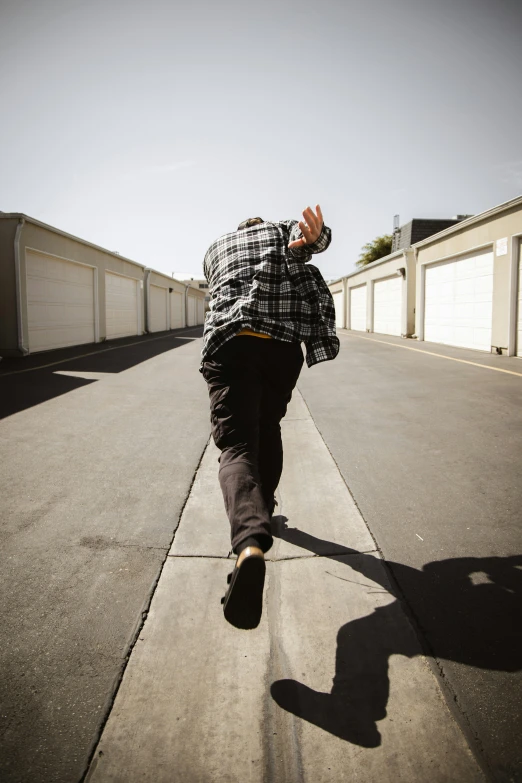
(519, 302)
(201, 311)
(121, 305)
(60, 302)
(358, 308)
(459, 301)
(387, 306)
(191, 311)
(158, 304)
(176, 310)
(338, 302)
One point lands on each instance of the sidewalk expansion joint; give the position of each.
(268, 559)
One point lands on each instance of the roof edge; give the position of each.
(379, 261)
(163, 274)
(470, 221)
(435, 237)
(35, 222)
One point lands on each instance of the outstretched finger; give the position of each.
(306, 232)
(311, 219)
(319, 213)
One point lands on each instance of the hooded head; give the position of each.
(250, 222)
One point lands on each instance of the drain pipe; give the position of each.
(345, 303)
(147, 301)
(186, 304)
(420, 285)
(24, 350)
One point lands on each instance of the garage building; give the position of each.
(165, 302)
(469, 283)
(378, 298)
(57, 290)
(459, 287)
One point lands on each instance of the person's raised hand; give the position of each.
(311, 227)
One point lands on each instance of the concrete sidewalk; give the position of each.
(202, 702)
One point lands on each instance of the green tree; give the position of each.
(372, 251)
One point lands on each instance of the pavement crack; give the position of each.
(140, 546)
(353, 582)
(200, 557)
(323, 555)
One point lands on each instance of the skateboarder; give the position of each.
(265, 301)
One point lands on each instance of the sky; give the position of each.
(151, 128)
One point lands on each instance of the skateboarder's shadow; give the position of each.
(467, 608)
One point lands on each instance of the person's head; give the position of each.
(250, 222)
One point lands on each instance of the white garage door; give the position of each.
(358, 308)
(158, 303)
(519, 303)
(176, 310)
(459, 301)
(191, 311)
(60, 302)
(338, 302)
(387, 306)
(201, 311)
(121, 305)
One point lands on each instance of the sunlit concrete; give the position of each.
(331, 686)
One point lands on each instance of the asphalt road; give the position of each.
(98, 456)
(431, 450)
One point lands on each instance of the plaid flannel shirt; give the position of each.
(257, 282)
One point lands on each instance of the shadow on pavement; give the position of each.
(22, 390)
(471, 615)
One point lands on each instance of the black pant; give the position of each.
(250, 382)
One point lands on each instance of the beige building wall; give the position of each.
(195, 307)
(199, 296)
(158, 278)
(499, 230)
(8, 297)
(382, 269)
(337, 291)
(336, 287)
(44, 239)
(173, 287)
(21, 235)
(201, 284)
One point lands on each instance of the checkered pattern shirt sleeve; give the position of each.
(257, 282)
